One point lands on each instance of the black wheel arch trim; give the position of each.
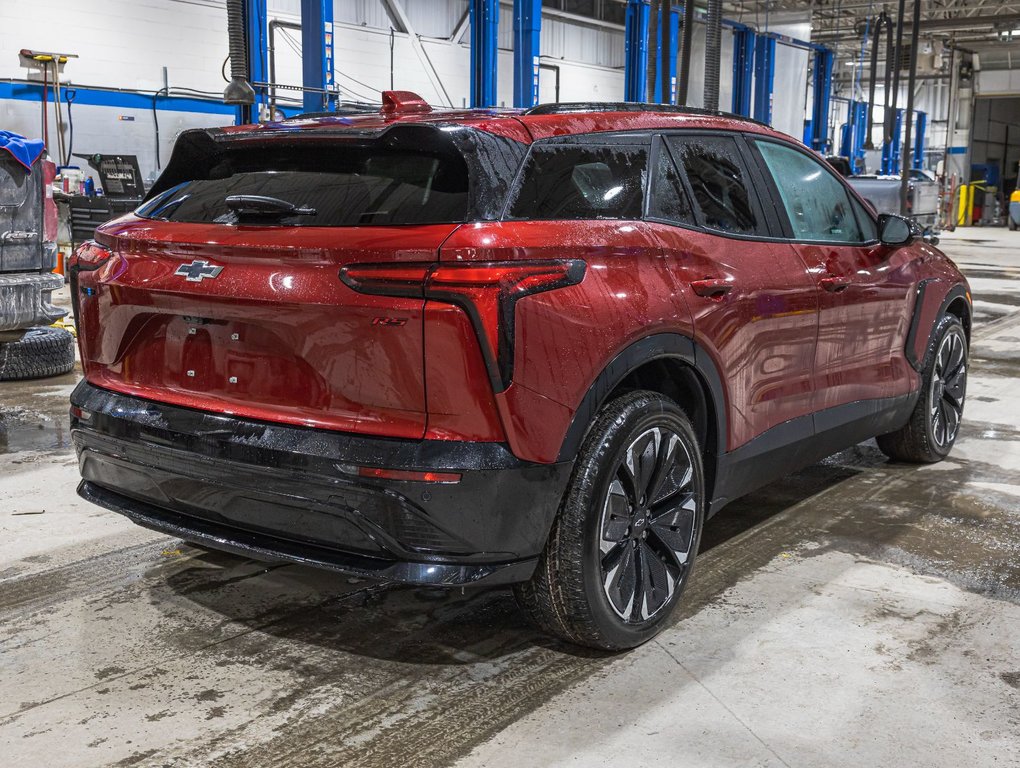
(659, 346)
(957, 291)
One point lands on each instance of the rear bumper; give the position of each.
(25, 300)
(287, 493)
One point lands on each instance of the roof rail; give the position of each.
(631, 106)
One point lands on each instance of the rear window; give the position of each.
(581, 182)
(344, 186)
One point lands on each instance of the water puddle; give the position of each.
(33, 415)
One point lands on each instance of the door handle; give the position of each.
(835, 284)
(713, 289)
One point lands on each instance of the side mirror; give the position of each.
(894, 230)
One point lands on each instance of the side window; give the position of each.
(719, 181)
(581, 182)
(817, 204)
(668, 200)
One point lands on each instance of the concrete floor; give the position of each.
(858, 612)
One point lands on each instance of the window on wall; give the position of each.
(562, 181)
(719, 181)
(817, 204)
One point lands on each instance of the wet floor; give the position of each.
(858, 611)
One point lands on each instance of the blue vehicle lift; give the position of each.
(527, 47)
(743, 69)
(317, 55)
(854, 133)
(635, 50)
(922, 126)
(891, 151)
(484, 42)
(764, 77)
(821, 70)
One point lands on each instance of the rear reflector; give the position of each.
(379, 473)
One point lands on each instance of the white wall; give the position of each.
(125, 44)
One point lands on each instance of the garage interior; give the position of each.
(859, 611)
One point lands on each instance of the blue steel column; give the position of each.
(922, 125)
(822, 68)
(891, 150)
(674, 36)
(743, 70)
(256, 33)
(527, 47)
(484, 41)
(635, 51)
(317, 54)
(764, 77)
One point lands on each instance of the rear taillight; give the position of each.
(49, 204)
(90, 255)
(487, 291)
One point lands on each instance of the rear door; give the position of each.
(753, 302)
(862, 286)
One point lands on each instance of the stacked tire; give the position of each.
(40, 352)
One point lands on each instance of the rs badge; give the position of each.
(197, 271)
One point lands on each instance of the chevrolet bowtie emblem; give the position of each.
(197, 271)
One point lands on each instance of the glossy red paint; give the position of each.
(306, 349)
(276, 336)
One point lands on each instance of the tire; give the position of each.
(43, 351)
(603, 548)
(935, 422)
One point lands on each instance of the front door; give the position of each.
(862, 285)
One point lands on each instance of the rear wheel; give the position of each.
(44, 351)
(623, 544)
(935, 423)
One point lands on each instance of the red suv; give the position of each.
(479, 347)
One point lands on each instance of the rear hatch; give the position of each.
(223, 292)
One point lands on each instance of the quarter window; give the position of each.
(581, 182)
(669, 200)
(719, 182)
(817, 204)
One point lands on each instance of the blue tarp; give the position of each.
(25, 151)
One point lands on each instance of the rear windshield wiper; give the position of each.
(265, 207)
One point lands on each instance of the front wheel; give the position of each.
(935, 423)
(622, 547)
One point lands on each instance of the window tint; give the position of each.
(581, 182)
(346, 187)
(669, 199)
(719, 181)
(817, 204)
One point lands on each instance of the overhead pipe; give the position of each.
(238, 90)
(684, 74)
(907, 147)
(882, 21)
(652, 60)
(713, 46)
(892, 77)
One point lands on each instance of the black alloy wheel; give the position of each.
(647, 525)
(622, 547)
